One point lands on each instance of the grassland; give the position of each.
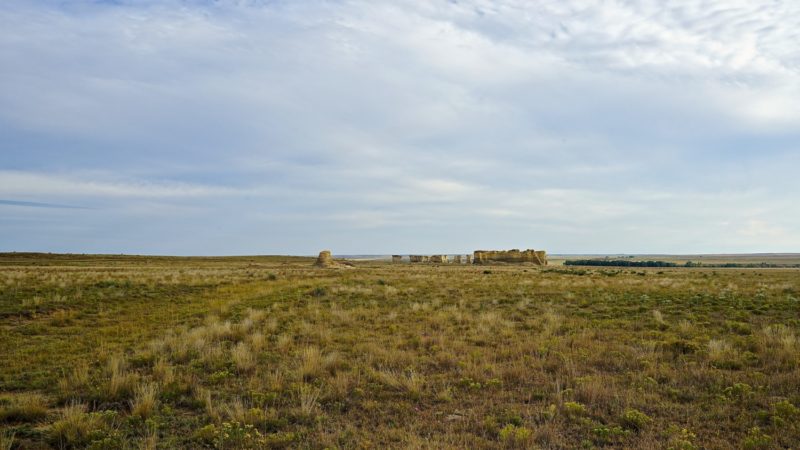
(777, 259)
(260, 352)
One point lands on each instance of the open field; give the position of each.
(266, 352)
(785, 259)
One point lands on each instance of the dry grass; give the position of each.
(658, 317)
(257, 341)
(243, 358)
(311, 363)
(145, 401)
(198, 352)
(205, 398)
(718, 349)
(25, 407)
(6, 439)
(121, 383)
(409, 381)
(163, 372)
(307, 399)
(342, 383)
(150, 441)
(75, 426)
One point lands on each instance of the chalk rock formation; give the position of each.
(469, 259)
(457, 259)
(325, 259)
(419, 258)
(439, 259)
(510, 256)
(397, 258)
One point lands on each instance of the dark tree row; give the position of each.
(618, 263)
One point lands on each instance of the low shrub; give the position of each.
(634, 419)
(514, 435)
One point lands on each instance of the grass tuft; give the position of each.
(75, 426)
(27, 408)
(145, 401)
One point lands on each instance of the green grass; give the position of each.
(269, 352)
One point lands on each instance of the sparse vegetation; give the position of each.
(115, 352)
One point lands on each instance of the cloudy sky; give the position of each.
(264, 127)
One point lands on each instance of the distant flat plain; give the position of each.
(743, 258)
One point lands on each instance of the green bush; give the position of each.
(683, 440)
(785, 410)
(739, 392)
(574, 409)
(635, 420)
(604, 435)
(756, 440)
(512, 434)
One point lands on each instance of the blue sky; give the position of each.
(265, 127)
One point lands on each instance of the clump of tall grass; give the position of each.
(196, 338)
(6, 439)
(163, 371)
(218, 331)
(780, 336)
(307, 397)
(276, 380)
(145, 401)
(311, 364)
(121, 382)
(658, 317)
(236, 411)
(26, 407)
(150, 440)
(243, 357)
(257, 341)
(271, 325)
(342, 383)
(74, 382)
(213, 356)
(490, 321)
(685, 328)
(718, 349)
(722, 354)
(409, 381)
(550, 323)
(256, 315)
(75, 426)
(284, 342)
(204, 396)
(244, 327)
(781, 344)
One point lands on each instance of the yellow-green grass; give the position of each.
(265, 352)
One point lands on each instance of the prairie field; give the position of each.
(111, 352)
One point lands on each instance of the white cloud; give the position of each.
(589, 125)
(762, 229)
(15, 184)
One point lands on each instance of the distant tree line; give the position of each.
(617, 263)
(625, 263)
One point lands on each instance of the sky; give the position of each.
(377, 127)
